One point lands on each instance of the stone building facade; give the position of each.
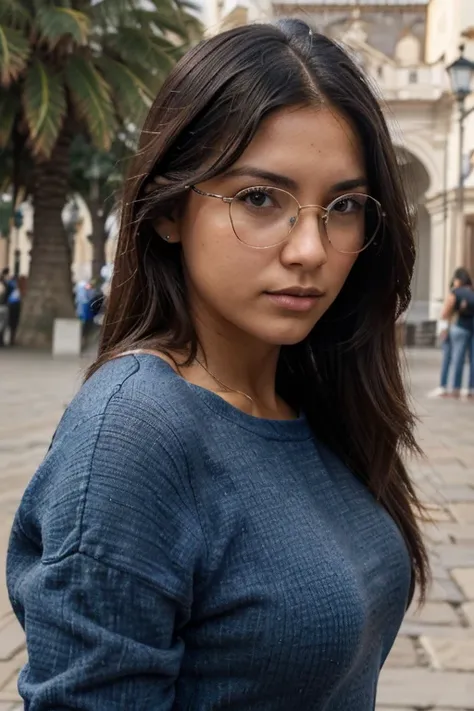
(405, 48)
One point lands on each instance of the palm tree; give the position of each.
(66, 67)
(97, 176)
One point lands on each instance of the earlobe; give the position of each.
(166, 229)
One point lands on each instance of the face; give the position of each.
(315, 154)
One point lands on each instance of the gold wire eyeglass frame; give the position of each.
(324, 217)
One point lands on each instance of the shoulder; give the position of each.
(115, 478)
(140, 386)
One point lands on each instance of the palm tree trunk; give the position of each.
(49, 292)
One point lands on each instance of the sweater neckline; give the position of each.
(296, 428)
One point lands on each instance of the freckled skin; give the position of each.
(316, 148)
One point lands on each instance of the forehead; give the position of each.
(307, 144)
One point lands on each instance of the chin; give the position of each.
(286, 335)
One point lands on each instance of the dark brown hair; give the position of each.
(346, 375)
(461, 274)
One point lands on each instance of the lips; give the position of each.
(298, 291)
(295, 299)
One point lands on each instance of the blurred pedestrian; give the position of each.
(456, 333)
(224, 518)
(14, 307)
(3, 305)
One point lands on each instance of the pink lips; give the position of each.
(294, 302)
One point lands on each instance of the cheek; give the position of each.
(217, 264)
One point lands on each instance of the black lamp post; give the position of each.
(460, 73)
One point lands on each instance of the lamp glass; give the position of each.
(460, 74)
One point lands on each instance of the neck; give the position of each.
(243, 364)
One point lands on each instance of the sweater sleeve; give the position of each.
(101, 562)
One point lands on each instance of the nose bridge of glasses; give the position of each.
(322, 213)
(320, 208)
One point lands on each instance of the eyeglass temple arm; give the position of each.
(214, 195)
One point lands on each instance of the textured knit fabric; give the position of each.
(174, 553)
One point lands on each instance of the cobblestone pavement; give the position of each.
(432, 663)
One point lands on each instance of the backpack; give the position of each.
(465, 301)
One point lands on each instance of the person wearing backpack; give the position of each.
(456, 329)
(3, 305)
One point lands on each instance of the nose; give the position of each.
(307, 245)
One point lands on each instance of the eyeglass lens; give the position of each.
(265, 216)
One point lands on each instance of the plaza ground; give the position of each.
(432, 664)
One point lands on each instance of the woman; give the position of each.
(456, 329)
(224, 519)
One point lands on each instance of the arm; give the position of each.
(101, 564)
(446, 313)
(448, 307)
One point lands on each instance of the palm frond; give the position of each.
(131, 94)
(171, 16)
(55, 23)
(14, 53)
(136, 47)
(111, 13)
(91, 96)
(44, 104)
(14, 14)
(9, 107)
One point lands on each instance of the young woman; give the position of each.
(456, 330)
(224, 519)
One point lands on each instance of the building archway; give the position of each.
(417, 182)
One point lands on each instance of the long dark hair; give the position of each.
(346, 375)
(461, 274)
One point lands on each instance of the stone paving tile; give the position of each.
(457, 533)
(464, 577)
(459, 494)
(434, 613)
(418, 629)
(426, 689)
(464, 513)
(449, 654)
(445, 591)
(435, 643)
(11, 639)
(458, 556)
(468, 611)
(403, 653)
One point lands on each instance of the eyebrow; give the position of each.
(285, 182)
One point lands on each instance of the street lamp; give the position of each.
(460, 74)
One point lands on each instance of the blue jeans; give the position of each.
(456, 348)
(471, 366)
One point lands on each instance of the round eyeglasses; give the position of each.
(263, 217)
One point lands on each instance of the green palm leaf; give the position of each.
(171, 16)
(131, 94)
(14, 53)
(55, 23)
(44, 104)
(14, 13)
(90, 95)
(135, 47)
(9, 108)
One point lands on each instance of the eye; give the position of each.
(256, 198)
(348, 204)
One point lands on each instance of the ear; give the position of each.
(167, 228)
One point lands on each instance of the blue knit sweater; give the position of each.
(174, 553)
